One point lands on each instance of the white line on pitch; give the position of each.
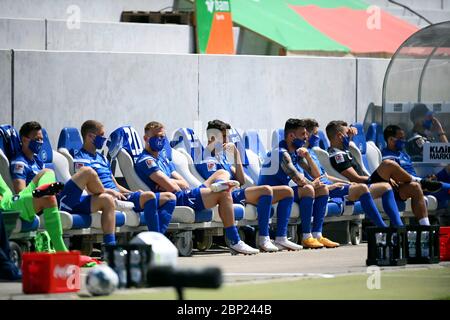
(321, 275)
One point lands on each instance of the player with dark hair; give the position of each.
(339, 188)
(395, 150)
(285, 164)
(389, 181)
(159, 174)
(262, 196)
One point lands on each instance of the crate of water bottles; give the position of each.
(130, 262)
(422, 244)
(386, 246)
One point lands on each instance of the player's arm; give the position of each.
(179, 180)
(18, 171)
(291, 171)
(353, 176)
(19, 185)
(164, 182)
(121, 189)
(310, 164)
(238, 171)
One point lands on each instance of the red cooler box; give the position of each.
(444, 238)
(51, 272)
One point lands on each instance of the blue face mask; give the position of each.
(314, 141)
(298, 143)
(35, 146)
(346, 142)
(99, 141)
(157, 143)
(400, 144)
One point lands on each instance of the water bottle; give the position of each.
(135, 268)
(120, 256)
(381, 243)
(424, 243)
(412, 235)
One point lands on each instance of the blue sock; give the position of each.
(319, 211)
(306, 210)
(264, 208)
(151, 215)
(391, 209)
(109, 239)
(165, 215)
(232, 234)
(283, 213)
(370, 209)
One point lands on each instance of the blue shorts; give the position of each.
(238, 196)
(340, 192)
(190, 198)
(72, 200)
(296, 197)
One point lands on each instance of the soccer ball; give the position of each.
(101, 280)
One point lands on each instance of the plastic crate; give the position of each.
(386, 246)
(130, 262)
(422, 244)
(444, 239)
(51, 272)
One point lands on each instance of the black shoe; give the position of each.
(50, 189)
(430, 185)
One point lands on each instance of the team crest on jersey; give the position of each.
(211, 166)
(150, 163)
(339, 158)
(19, 168)
(78, 165)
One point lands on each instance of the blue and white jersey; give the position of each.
(211, 164)
(25, 169)
(99, 163)
(276, 176)
(146, 165)
(402, 158)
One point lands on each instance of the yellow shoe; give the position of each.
(311, 243)
(328, 243)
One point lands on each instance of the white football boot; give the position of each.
(283, 243)
(224, 185)
(242, 247)
(266, 245)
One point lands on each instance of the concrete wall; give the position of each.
(62, 89)
(121, 37)
(262, 92)
(370, 84)
(90, 10)
(5, 86)
(22, 34)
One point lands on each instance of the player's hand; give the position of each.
(116, 194)
(317, 183)
(352, 131)
(230, 147)
(302, 152)
(437, 126)
(432, 177)
(394, 183)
